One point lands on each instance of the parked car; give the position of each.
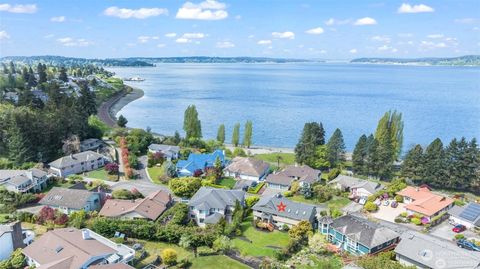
(467, 245)
(394, 204)
(386, 203)
(459, 228)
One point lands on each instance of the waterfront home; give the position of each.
(170, 152)
(279, 211)
(91, 144)
(421, 200)
(198, 162)
(468, 215)
(150, 207)
(21, 181)
(357, 235)
(209, 205)
(425, 251)
(77, 163)
(302, 174)
(12, 237)
(71, 200)
(71, 248)
(247, 168)
(358, 188)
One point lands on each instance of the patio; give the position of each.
(389, 213)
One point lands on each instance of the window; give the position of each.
(201, 220)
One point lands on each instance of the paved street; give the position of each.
(444, 230)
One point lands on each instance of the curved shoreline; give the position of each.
(107, 112)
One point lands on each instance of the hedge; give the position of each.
(256, 189)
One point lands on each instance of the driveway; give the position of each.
(144, 187)
(271, 191)
(444, 230)
(388, 213)
(142, 169)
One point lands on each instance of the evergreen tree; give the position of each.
(390, 130)
(87, 100)
(18, 146)
(313, 135)
(122, 121)
(12, 68)
(25, 74)
(63, 74)
(413, 165)
(221, 134)
(336, 148)
(42, 73)
(236, 135)
(176, 138)
(435, 163)
(320, 159)
(360, 155)
(247, 138)
(372, 160)
(32, 81)
(191, 124)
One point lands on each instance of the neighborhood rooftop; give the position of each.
(425, 201)
(247, 166)
(68, 198)
(206, 198)
(76, 158)
(303, 172)
(292, 210)
(163, 148)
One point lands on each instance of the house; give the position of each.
(424, 251)
(302, 174)
(357, 235)
(170, 152)
(71, 248)
(11, 96)
(40, 95)
(199, 161)
(150, 207)
(77, 163)
(421, 200)
(279, 211)
(358, 188)
(468, 215)
(12, 237)
(71, 200)
(91, 144)
(209, 205)
(247, 168)
(22, 181)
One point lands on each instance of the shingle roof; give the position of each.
(150, 207)
(469, 213)
(436, 253)
(206, 198)
(293, 210)
(425, 201)
(164, 148)
(279, 179)
(70, 198)
(247, 166)
(304, 173)
(75, 159)
(197, 161)
(365, 232)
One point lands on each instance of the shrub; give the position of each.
(285, 228)
(185, 186)
(256, 189)
(239, 152)
(288, 194)
(459, 236)
(398, 220)
(169, 256)
(119, 240)
(111, 168)
(126, 194)
(404, 214)
(333, 173)
(416, 221)
(459, 202)
(371, 207)
(251, 201)
(222, 244)
(399, 198)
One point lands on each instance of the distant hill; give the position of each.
(467, 60)
(69, 61)
(207, 59)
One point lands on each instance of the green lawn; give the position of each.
(336, 202)
(100, 173)
(301, 199)
(4, 218)
(286, 158)
(155, 172)
(228, 182)
(260, 240)
(217, 262)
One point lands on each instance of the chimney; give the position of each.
(86, 234)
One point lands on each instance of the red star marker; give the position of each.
(281, 207)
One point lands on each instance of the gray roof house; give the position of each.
(78, 163)
(170, 152)
(358, 235)
(247, 168)
(91, 144)
(283, 179)
(356, 186)
(425, 251)
(23, 180)
(71, 200)
(209, 205)
(468, 215)
(279, 211)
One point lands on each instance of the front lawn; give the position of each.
(228, 182)
(285, 158)
(336, 202)
(217, 262)
(155, 173)
(262, 243)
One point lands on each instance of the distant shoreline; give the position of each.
(107, 112)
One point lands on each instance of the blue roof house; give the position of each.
(197, 161)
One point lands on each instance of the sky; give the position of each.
(262, 28)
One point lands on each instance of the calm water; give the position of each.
(279, 98)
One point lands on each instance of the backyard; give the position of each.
(336, 202)
(155, 173)
(272, 158)
(100, 173)
(259, 243)
(228, 182)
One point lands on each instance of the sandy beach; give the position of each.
(255, 149)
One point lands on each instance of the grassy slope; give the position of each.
(287, 158)
(228, 182)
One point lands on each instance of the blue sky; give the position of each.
(281, 28)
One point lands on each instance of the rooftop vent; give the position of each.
(86, 234)
(58, 249)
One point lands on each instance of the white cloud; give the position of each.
(183, 40)
(333, 21)
(206, 10)
(251, 36)
(315, 31)
(58, 19)
(465, 20)
(48, 36)
(194, 35)
(365, 21)
(407, 8)
(187, 37)
(141, 13)
(225, 45)
(435, 36)
(387, 48)
(405, 35)
(29, 9)
(286, 35)
(143, 39)
(170, 35)
(72, 42)
(264, 42)
(4, 35)
(432, 45)
(378, 38)
(161, 46)
(353, 51)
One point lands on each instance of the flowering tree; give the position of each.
(111, 168)
(197, 173)
(46, 214)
